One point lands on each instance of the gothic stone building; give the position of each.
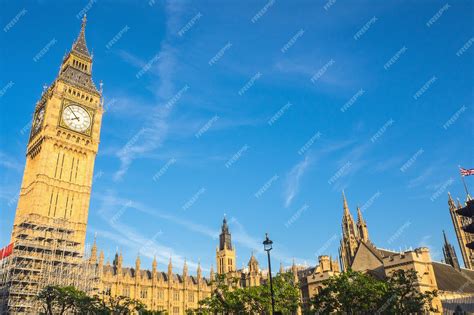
(455, 285)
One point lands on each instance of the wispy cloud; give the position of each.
(293, 180)
(134, 240)
(10, 163)
(155, 128)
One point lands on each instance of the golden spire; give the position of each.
(345, 206)
(362, 226)
(185, 268)
(199, 271)
(79, 45)
(170, 267)
(137, 262)
(154, 264)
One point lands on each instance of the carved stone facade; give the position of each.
(452, 284)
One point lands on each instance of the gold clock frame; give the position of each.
(61, 123)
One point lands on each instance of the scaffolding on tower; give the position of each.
(45, 252)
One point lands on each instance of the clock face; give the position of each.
(76, 118)
(38, 119)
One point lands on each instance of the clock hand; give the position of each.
(77, 118)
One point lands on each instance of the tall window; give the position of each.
(160, 295)
(144, 293)
(126, 291)
(176, 295)
(191, 297)
(175, 310)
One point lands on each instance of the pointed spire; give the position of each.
(137, 262)
(445, 238)
(360, 219)
(101, 258)
(79, 45)
(362, 226)
(451, 203)
(185, 267)
(170, 267)
(345, 206)
(93, 257)
(211, 273)
(199, 271)
(449, 253)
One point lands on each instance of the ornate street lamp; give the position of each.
(267, 246)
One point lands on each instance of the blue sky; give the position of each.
(261, 110)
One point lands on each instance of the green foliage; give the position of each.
(357, 293)
(67, 300)
(403, 296)
(227, 297)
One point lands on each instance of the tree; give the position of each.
(65, 300)
(348, 292)
(403, 296)
(357, 293)
(58, 300)
(227, 297)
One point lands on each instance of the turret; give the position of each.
(294, 271)
(137, 267)
(212, 275)
(185, 270)
(93, 258)
(199, 271)
(117, 263)
(154, 267)
(101, 259)
(170, 270)
(362, 226)
(449, 253)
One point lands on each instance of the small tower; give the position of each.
(282, 270)
(137, 267)
(450, 254)
(154, 266)
(93, 258)
(362, 227)
(199, 271)
(117, 263)
(225, 252)
(170, 270)
(185, 270)
(294, 271)
(254, 271)
(212, 275)
(100, 265)
(101, 258)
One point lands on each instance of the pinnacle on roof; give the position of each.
(80, 45)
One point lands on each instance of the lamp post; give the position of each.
(267, 246)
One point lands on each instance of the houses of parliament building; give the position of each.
(49, 229)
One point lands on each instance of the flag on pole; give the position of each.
(466, 172)
(6, 251)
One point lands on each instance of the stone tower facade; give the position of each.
(225, 252)
(463, 237)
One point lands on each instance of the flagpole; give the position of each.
(464, 183)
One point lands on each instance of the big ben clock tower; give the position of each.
(51, 217)
(63, 145)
